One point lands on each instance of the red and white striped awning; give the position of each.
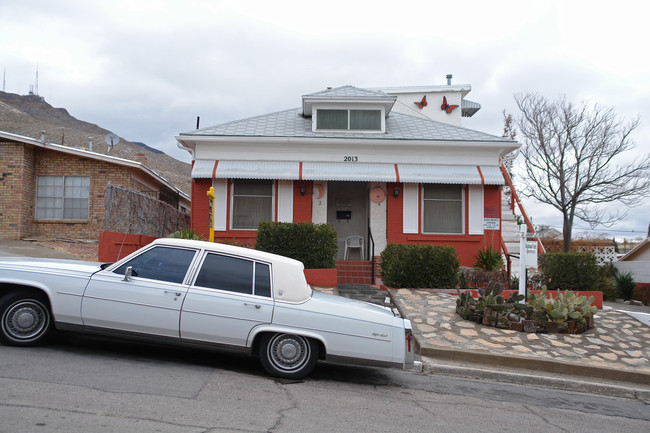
(340, 171)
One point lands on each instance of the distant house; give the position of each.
(637, 261)
(381, 165)
(53, 191)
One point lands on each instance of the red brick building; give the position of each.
(53, 191)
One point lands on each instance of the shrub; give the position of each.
(606, 282)
(489, 259)
(314, 245)
(187, 234)
(625, 284)
(420, 266)
(642, 293)
(475, 278)
(569, 271)
(608, 287)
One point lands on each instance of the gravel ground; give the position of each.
(85, 250)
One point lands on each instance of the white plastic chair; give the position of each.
(353, 242)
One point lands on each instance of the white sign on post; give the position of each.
(531, 254)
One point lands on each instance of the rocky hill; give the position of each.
(29, 115)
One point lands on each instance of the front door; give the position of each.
(146, 302)
(347, 211)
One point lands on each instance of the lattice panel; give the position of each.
(132, 212)
(604, 254)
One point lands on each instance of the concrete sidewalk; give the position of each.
(17, 248)
(615, 353)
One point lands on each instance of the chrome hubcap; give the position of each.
(25, 320)
(289, 352)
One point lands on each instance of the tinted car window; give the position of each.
(262, 280)
(226, 273)
(160, 263)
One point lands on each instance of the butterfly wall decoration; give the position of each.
(446, 107)
(423, 103)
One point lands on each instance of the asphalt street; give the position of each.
(89, 384)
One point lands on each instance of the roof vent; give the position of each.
(449, 77)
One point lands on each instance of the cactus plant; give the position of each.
(567, 312)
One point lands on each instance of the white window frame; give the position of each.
(475, 201)
(359, 107)
(63, 198)
(232, 201)
(462, 211)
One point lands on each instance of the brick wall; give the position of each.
(21, 163)
(302, 203)
(16, 190)
(54, 163)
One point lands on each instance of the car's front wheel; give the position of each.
(288, 356)
(25, 319)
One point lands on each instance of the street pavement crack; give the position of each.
(293, 404)
(534, 413)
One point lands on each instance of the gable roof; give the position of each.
(93, 155)
(291, 123)
(636, 250)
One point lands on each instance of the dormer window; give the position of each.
(348, 109)
(348, 120)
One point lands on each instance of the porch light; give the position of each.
(396, 192)
(302, 189)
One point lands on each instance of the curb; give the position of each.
(535, 364)
(539, 379)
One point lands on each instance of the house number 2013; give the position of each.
(351, 159)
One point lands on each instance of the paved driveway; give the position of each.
(17, 248)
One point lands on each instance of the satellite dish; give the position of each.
(111, 140)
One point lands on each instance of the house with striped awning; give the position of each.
(382, 166)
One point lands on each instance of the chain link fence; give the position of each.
(133, 212)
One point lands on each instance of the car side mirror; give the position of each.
(128, 273)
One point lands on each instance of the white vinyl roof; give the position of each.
(362, 172)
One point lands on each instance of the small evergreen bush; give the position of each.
(606, 283)
(489, 259)
(420, 266)
(569, 271)
(187, 234)
(625, 284)
(642, 293)
(313, 244)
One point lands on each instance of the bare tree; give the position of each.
(572, 160)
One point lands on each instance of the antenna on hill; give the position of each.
(4, 79)
(111, 140)
(36, 89)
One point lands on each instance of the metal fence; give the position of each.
(133, 212)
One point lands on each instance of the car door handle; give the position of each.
(257, 306)
(177, 294)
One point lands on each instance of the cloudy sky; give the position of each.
(146, 69)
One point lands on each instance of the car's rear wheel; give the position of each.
(288, 356)
(25, 319)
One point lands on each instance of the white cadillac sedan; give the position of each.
(201, 293)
